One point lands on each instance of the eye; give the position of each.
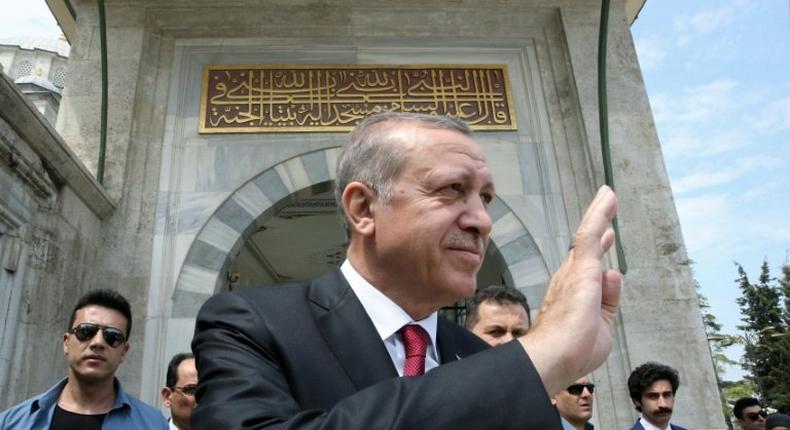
(486, 198)
(455, 188)
(496, 332)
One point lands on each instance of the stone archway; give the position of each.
(204, 270)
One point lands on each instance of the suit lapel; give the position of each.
(455, 342)
(348, 331)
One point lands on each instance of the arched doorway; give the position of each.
(282, 226)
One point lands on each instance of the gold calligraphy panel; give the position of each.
(277, 98)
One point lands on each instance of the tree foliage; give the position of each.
(766, 334)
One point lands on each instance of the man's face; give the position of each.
(753, 418)
(434, 232)
(181, 398)
(499, 323)
(93, 360)
(576, 409)
(657, 401)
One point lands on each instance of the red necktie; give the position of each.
(415, 343)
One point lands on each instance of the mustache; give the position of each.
(465, 240)
(664, 411)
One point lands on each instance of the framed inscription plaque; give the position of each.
(299, 98)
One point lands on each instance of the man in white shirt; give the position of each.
(178, 394)
(652, 387)
(575, 404)
(323, 354)
(498, 314)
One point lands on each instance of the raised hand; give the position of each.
(573, 333)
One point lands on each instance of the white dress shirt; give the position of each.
(649, 426)
(388, 318)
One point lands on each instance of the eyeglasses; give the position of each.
(86, 331)
(577, 389)
(187, 390)
(754, 416)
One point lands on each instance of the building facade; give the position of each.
(195, 213)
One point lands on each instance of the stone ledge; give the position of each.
(58, 158)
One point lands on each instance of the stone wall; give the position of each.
(168, 181)
(49, 243)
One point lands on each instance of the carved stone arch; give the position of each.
(232, 223)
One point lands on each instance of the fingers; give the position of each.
(593, 238)
(612, 281)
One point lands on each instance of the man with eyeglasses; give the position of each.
(575, 405)
(90, 397)
(749, 413)
(179, 392)
(652, 387)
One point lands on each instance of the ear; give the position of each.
(65, 344)
(166, 393)
(358, 200)
(553, 402)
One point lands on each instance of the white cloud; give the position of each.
(702, 218)
(697, 104)
(650, 52)
(704, 22)
(29, 19)
(687, 142)
(723, 173)
(774, 117)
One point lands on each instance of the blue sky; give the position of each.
(717, 74)
(718, 77)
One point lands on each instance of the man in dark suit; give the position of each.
(327, 353)
(575, 405)
(652, 387)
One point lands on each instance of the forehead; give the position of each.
(186, 368)
(423, 143)
(100, 315)
(752, 408)
(582, 380)
(491, 310)
(660, 386)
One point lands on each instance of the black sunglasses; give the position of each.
(86, 331)
(577, 389)
(187, 390)
(754, 416)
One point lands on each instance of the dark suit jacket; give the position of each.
(308, 356)
(638, 426)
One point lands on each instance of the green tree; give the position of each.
(717, 343)
(765, 336)
(782, 371)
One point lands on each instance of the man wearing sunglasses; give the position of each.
(90, 397)
(652, 387)
(575, 404)
(749, 413)
(179, 393)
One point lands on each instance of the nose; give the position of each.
(586, 392)
(506, 338)
(476, 218)
(98, 339)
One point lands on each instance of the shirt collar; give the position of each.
(386, 315)
(51, 396)
(648, 426)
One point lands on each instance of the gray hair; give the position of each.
(373, 157)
